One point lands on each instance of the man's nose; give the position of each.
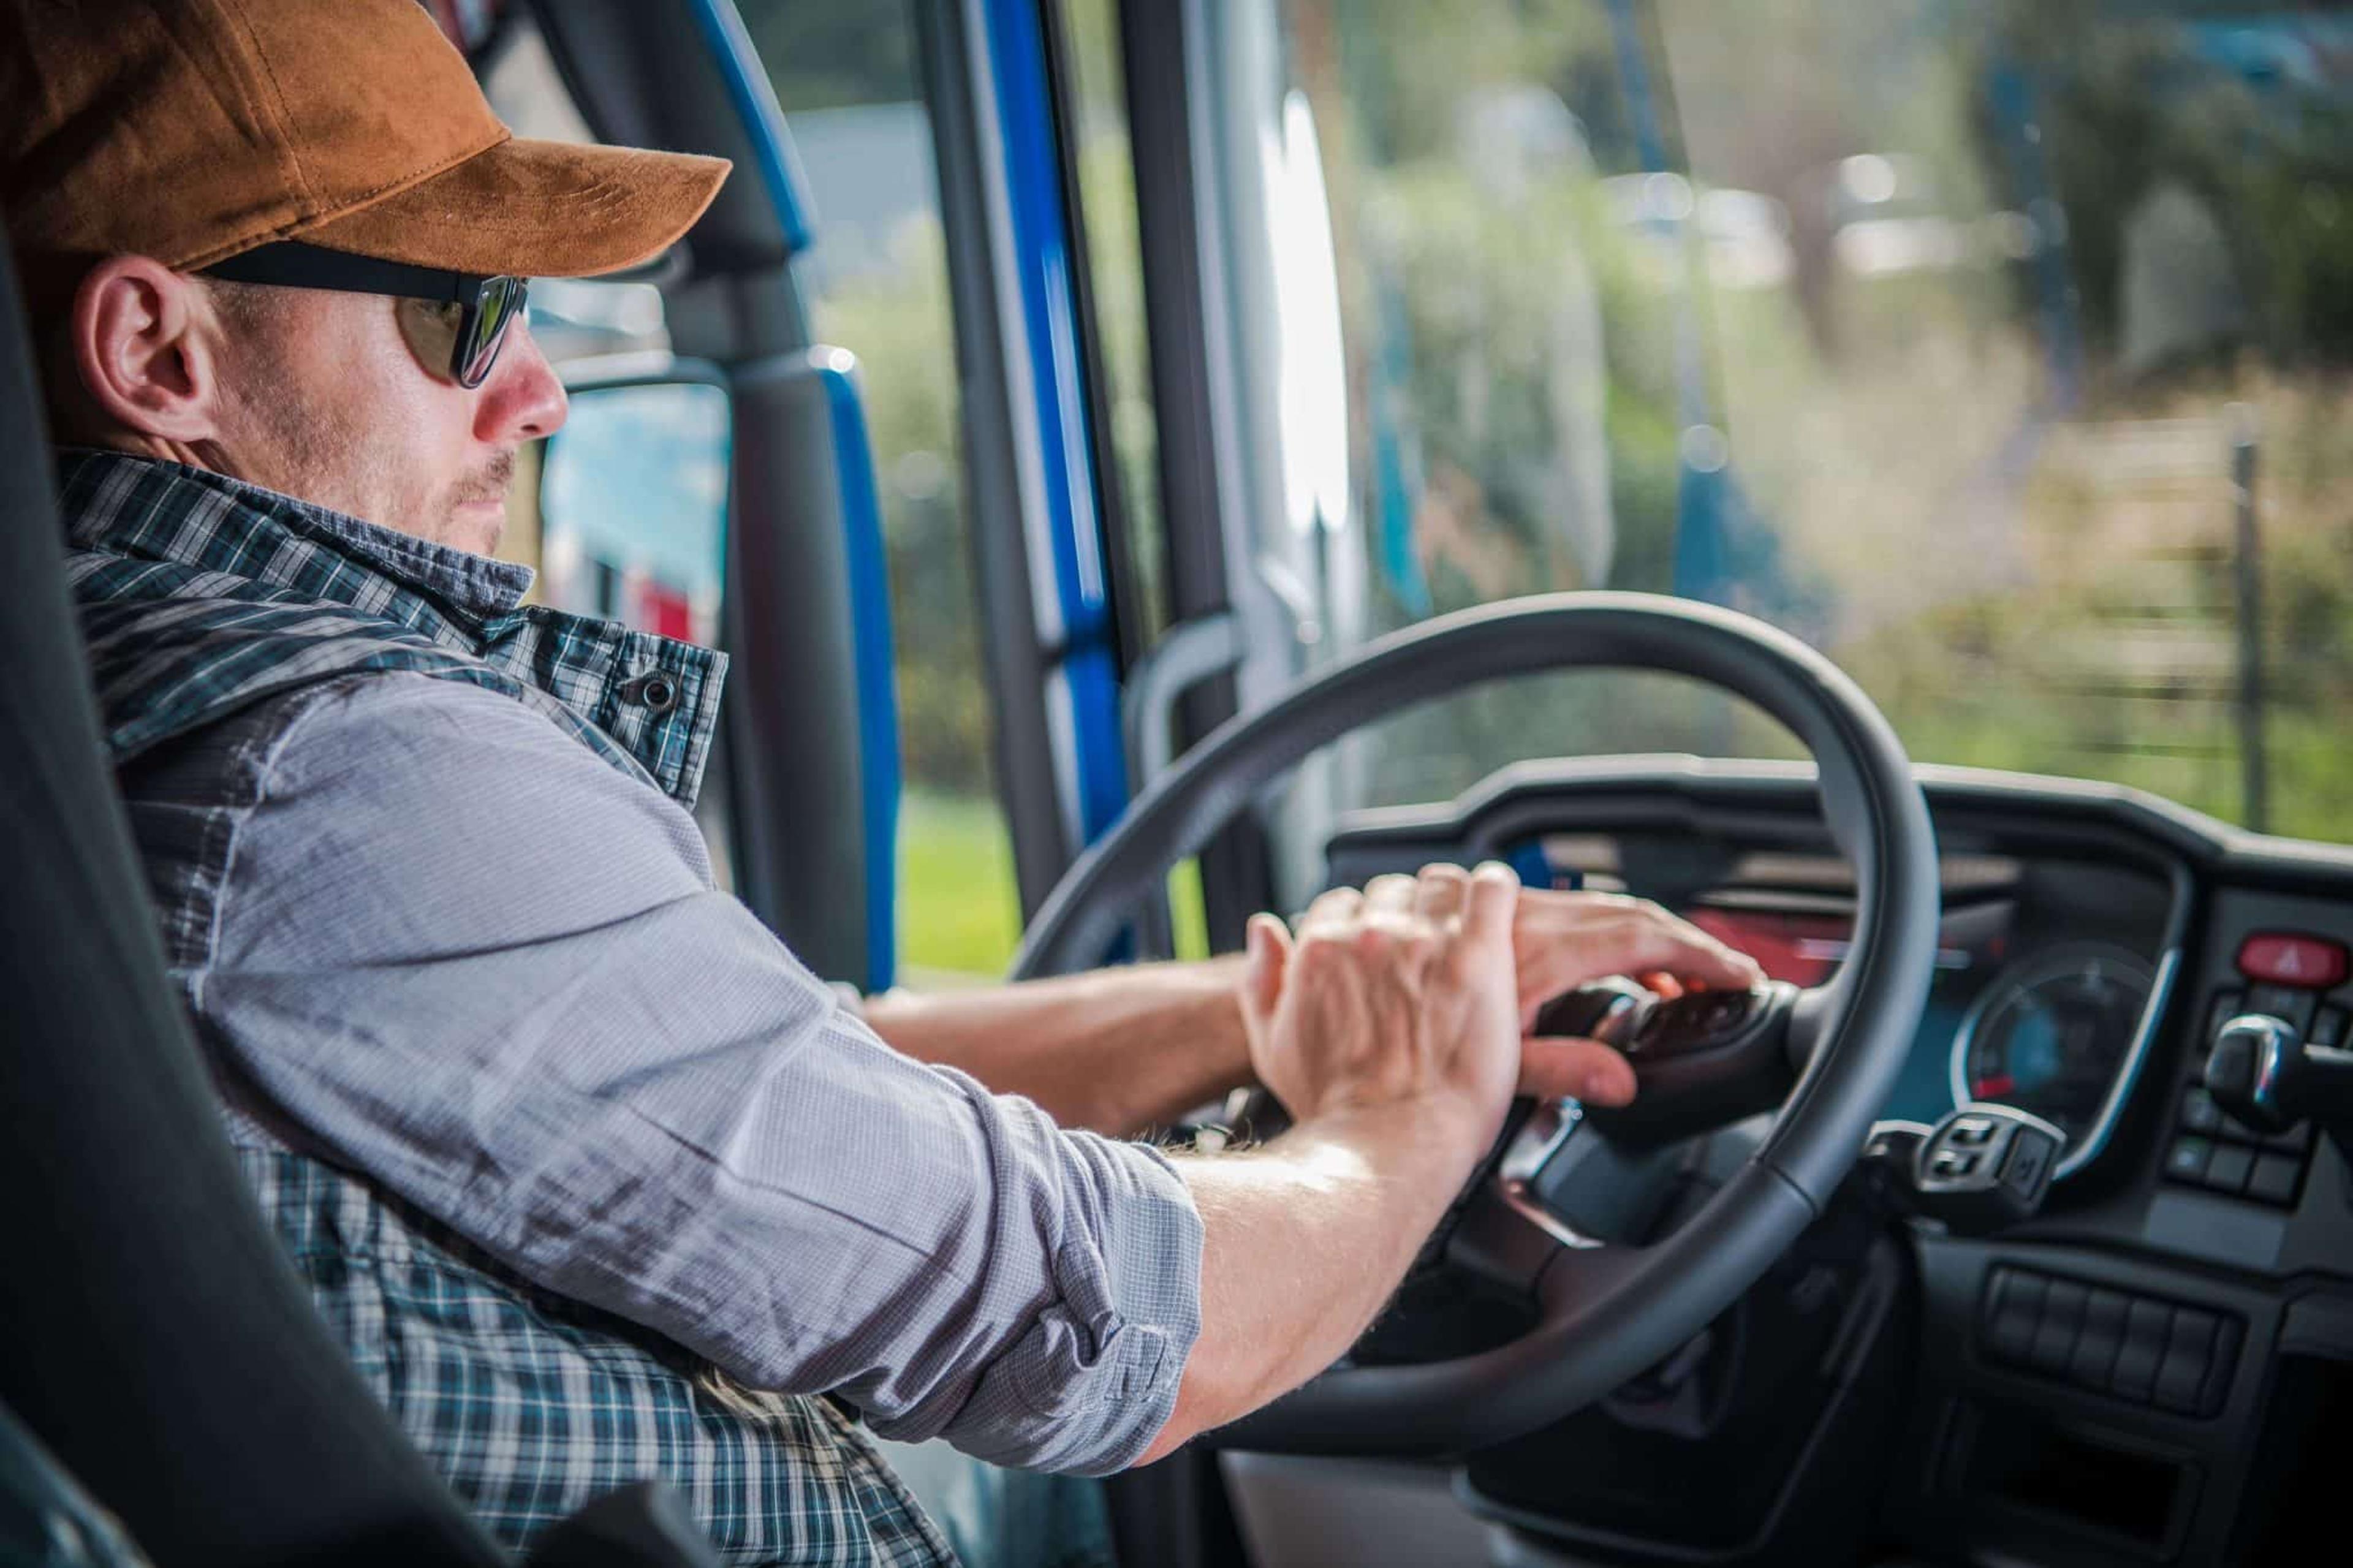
(523, 400)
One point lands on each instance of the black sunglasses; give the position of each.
(469, 315)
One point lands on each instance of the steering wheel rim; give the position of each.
(1604, 1313)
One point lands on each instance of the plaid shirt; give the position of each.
(532, 1405)
(200, 598)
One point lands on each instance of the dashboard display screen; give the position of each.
(2049, 1035)
(1806, 949)
(2046, 966)
(2045, 1029)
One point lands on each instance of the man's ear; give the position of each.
(145, 346)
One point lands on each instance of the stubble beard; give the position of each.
(490, 483)
(333, 455)
(346, 471)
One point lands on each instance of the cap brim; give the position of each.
(535, 209)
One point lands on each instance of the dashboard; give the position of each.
(2060, 943)
(2155, 1368)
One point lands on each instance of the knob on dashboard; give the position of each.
(2247, 1066)
(2264, 1074)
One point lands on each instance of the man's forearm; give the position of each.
(1116, 1051)
(1302, 1241)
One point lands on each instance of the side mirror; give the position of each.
(632, 505)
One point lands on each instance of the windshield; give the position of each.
(1999, 350)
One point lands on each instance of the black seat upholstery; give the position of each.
(151, 1334)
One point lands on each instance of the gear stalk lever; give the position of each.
(1983, 1167)
(2265, 1075)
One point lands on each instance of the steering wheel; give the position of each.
(1827, 1057)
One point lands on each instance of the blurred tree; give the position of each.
(830, 57)
(897, 323)
(2203, 96)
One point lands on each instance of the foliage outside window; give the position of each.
(1942, 335)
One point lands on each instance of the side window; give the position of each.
(877, 282)
(598, 554)
(629, 519)
(1107, 182)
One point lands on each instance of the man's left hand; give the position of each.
(1561, 940)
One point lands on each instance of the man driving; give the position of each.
(595, 1180)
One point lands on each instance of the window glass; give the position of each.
(876, 280)
(1999, 350)
(1114, 250)
(1115, 273)
(633, 500)
(876, 283)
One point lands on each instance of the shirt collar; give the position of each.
(648, 701)
(474, 588)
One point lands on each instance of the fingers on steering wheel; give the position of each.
(1333, 906)
(1495, 893)
(1661, 942)
(1441, 891)
(1268, 945)
(1391, 893)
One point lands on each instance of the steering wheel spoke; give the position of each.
(1506, 1235)
(1512, 1240)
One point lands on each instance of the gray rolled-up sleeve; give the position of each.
(491, 971)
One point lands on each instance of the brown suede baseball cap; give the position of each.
(191, 129)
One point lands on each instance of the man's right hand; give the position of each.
(1390, 1028)
(1404, 995)
(1332, 1015)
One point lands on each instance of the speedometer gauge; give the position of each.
(2050, 1033)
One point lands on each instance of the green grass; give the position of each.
(1187, 918)
(959, 909)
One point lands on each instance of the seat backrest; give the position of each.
(152, 1333)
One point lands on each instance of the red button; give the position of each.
(2284, 958)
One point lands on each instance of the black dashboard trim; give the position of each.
(2225, 853)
